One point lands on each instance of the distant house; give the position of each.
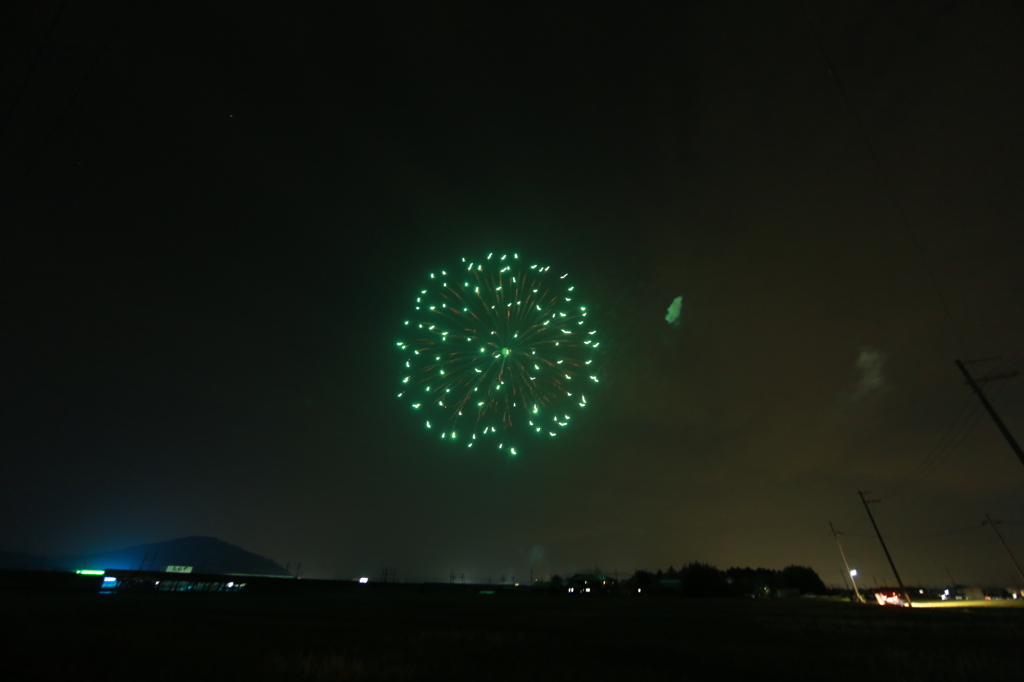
(670, 585)
(590, 583)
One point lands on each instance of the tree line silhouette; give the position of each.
(698, 579)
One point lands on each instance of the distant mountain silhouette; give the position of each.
(203, 554)
(22, 561)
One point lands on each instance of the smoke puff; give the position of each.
(869, 366)
(672, 317)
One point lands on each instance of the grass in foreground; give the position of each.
(499, 637)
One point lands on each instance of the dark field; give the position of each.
(377, 635)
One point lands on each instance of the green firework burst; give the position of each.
(497, 349)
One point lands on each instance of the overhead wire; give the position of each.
(924, 536)
(954, 434)
(970, 412)
(30, 166)
(16, 100)
(893, 196)
(943, 450)
(1008, 365)
(941, 533)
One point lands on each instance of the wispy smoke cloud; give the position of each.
(870, 376)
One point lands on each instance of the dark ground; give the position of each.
(410, 636)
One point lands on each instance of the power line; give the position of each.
(18, 188)
(973, 383)
(954, 434)
(31, 69)
(943, 454)
(989, 521)
(943, 533)
(937, 534)
(885, 178)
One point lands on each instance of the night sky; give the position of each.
(215, 223)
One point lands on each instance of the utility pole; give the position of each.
(952, 580)
(989, 521)
(846, 583)
(973, 383)
(899, 581)
(835, 534)
(151, 558)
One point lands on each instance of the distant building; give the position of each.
(590, 583)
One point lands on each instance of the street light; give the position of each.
(853, 572)
(853, 575)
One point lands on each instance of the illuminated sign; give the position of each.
(84, 572)
(179, 569)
